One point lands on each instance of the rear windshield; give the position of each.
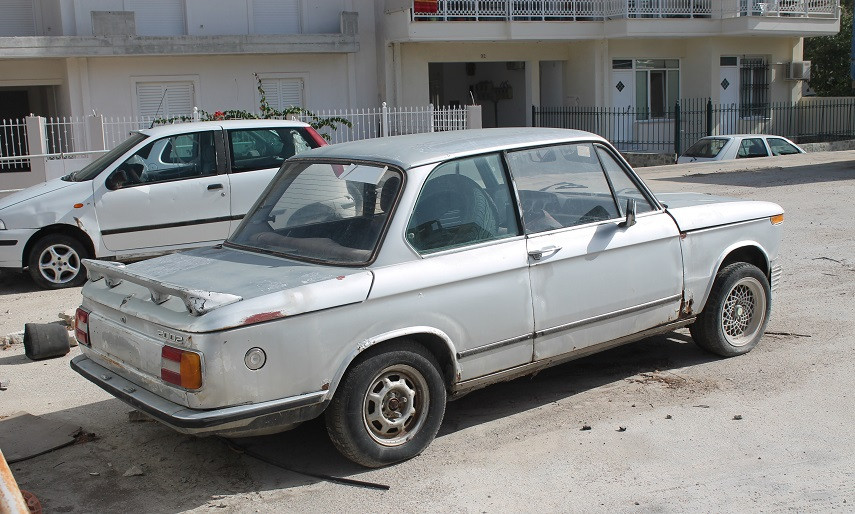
(320, 212)
(706, 148)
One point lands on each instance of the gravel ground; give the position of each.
(767, 431)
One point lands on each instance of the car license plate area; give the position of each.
(130, 349)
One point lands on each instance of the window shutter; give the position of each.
(159, 17)
(283, 93)
(178, 100)
(276, 16)
(16, 18)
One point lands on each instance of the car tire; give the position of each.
(389, 406)
(45, 341)
(737, 310)
(55, 262)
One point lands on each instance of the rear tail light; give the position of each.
(181, 367)
(81, 326)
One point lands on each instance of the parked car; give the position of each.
(738, 146)
(162, 189)
(469, 258)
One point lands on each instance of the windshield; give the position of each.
(706, 148)
(330, 213)
(94, 168)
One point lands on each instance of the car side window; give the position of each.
(178, 157)
(781, 147)
(623, 185)
(752, 147)
(264, 148)
(561, 186)
(456, 209)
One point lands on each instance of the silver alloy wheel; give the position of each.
(395, 405)
(59, 264)
(744, 311)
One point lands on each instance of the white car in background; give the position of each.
(738, 146)
(163, 189)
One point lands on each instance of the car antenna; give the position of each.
(158, 108)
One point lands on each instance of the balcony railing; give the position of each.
(597, 10)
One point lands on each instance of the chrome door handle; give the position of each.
(211, 187)
(538, 254)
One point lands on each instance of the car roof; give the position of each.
(413, 150)
(743, 136)
(195, 126)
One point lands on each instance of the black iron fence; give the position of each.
(634, 130)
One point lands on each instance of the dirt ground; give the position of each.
(768, 431)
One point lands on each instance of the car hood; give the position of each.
(694, 211)
(43, 204)
(211, 289)
(34, 192)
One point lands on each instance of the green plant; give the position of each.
(267, 112)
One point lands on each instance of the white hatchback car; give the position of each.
(738, 146)
(163, 189)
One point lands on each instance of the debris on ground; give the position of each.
(23, 436)
(10, 340)
(737, 417)
(4, 384)
(586, 427)
(83, 436)
(134, 471)
(668, 416)
(621, 429)
(666, 378)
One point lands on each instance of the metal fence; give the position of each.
(389, 121)
(598, 10)
(13, 142)
(808, 121)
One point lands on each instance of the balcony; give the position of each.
(569, 20)
(599, 10)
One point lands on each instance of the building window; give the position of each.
(165, 99)
(657, 87)
(276, 16)
(159, 17)
(283, 93)
(753, 87)
(17, 18)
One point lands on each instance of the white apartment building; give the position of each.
(141, 57)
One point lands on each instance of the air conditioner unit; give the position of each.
(798, 70)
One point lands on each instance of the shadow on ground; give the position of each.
(774, 177)
(201, 471)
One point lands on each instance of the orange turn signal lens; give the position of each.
(777, 219)
(181, 367)
(78, 206)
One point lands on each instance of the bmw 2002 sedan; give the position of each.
(163, 189)
(374, 280)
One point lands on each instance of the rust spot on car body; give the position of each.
(263, 316)
(686, 307)
(325, 387)
(340, 277)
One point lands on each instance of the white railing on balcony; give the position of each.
(789, 8)
(594, 10)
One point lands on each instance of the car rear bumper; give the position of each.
(243, 420)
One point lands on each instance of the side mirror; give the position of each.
(630, 214)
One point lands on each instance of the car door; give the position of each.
(472, 278)
(167, 194)
(751, 147)
(255, 155)
(592, 278)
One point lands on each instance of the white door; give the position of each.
(623, 101)
(167, 194)
(729, 99)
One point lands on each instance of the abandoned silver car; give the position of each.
(374, 280)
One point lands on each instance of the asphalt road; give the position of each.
(519, 446)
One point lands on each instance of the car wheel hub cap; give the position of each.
(59, 264)
(394, 405)
(744, 312)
